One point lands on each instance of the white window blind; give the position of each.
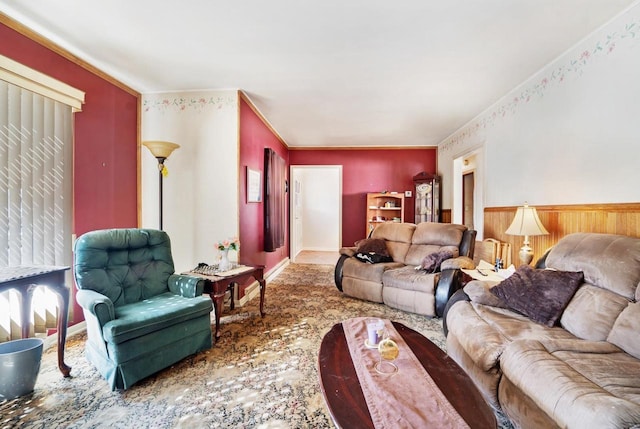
(36, 156)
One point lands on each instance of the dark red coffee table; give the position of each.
(344, 397)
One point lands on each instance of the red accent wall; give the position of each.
(255, 136)
(105, 140)
(369, 170)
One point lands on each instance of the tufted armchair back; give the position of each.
(126, 265)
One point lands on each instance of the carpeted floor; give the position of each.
(262, 373)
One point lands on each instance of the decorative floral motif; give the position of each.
(188, 103)
(537, 88)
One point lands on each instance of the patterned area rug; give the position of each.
(262, 373)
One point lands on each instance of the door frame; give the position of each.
(294, 174)
(459, 169)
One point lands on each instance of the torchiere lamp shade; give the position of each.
(161, 149)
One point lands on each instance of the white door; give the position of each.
(297, 234)
(317, 208)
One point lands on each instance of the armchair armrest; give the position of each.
(97, 304)
(186, 286)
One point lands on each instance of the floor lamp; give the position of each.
(526, 223)
(161, 150)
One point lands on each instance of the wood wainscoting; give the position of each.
(560, 220)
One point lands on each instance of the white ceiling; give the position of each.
(327, 73)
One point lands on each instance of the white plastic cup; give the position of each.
(374, 331)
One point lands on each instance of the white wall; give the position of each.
(201, 191)
(568, 135)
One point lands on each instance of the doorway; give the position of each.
(468, 192)
(467, 204)
(316, 209)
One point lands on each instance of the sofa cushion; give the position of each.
(430, 237)
(153, 314)
(626, 331)
(410, 290)
(393, 231)
(541, 295)
(591, 313)
(397, 237)
(608, 261)
(485, 331)
(441, 234)
(580, 384)
(356, 269)
(417, 252)
(409, 278)
(362, 289)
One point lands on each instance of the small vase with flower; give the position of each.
(224, 247)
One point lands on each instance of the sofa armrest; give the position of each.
(97, 305)
(337, 273)
(448, 283)
(468, 243)
(461, 262)
(458, 296)
(542, 262)
(186, 286)
(348, 251)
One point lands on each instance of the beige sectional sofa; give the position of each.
(581, 372)
(397, 283)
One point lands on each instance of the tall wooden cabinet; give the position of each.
(384, 207)
(427, 197)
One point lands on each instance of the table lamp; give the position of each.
(526, 223)
(161, 150)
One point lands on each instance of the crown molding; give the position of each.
(41, 40)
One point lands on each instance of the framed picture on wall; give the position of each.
(254, 190)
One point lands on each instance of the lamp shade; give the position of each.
(161, 149)
(526, 222)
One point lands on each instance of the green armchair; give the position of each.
(140, 316)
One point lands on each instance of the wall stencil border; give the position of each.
(554, 75)
(184, 103)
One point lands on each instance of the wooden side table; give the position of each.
(216, 286)
(25, 279)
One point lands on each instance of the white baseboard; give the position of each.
(253, 289)
(319, 249)
(52, 340)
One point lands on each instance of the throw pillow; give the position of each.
(372, 245)
(541, 295)
(431, 263)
